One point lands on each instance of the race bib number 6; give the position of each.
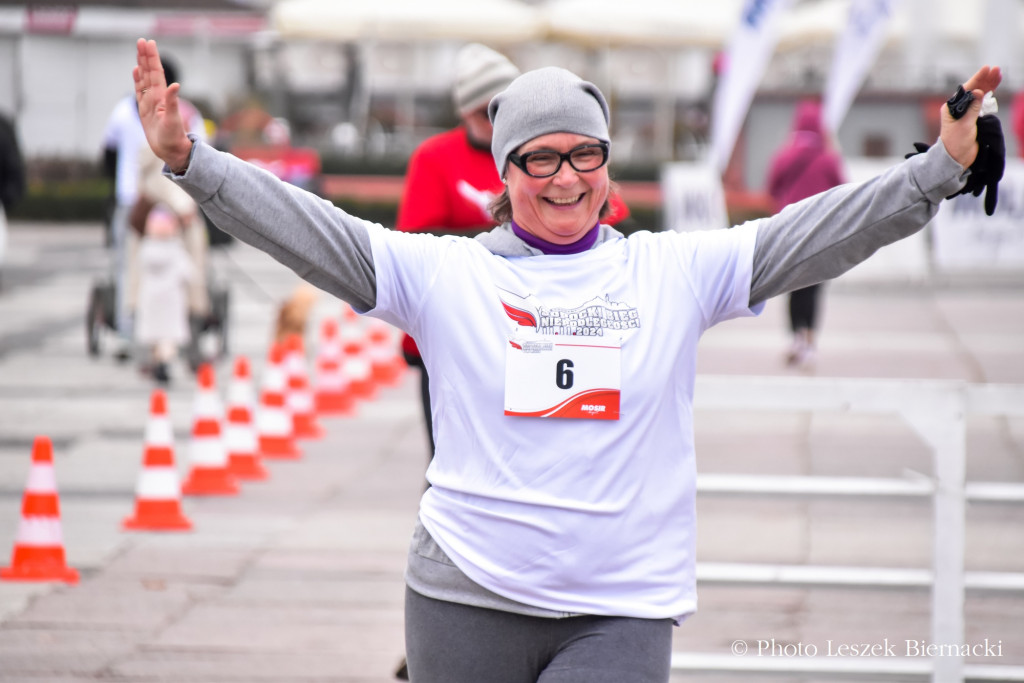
(545, 377)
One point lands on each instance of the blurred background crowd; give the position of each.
(321, 89)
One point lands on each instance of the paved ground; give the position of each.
(299, 578)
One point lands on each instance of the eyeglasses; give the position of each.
(545, 163)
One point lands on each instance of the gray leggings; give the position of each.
(447, 642)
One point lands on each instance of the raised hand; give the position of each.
(158, 108)
(960, 136)
(976, 140)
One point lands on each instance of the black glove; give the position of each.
(987, 169)
(920, 147)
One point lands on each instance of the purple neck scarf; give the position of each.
(578, 247)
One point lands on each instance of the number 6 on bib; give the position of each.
(563, 377)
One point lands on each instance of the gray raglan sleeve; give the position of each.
(320, 242)
(826, 235)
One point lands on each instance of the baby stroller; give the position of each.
(209, 338)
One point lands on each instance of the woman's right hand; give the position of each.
(158, 109)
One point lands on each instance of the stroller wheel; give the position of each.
(95, 320)
(221, 304)
(193, 352)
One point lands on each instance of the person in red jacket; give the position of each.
(805, 165)
(451, 178)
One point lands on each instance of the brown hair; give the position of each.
(501, 206)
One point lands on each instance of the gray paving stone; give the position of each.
(240, 667)
(736, 530)
(274, 628)
(126, 605)
(291, 562)
(49, 678)
(85, 651)
(299, 578)
(169, 562)
(337, 589)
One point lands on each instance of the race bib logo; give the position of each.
(594, 318)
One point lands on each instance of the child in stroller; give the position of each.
(207, 300)
(165, 271)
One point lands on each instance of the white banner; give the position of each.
(855, 53)
(964, 238)
(749, 51)
(693, 198)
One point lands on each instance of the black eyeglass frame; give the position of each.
(520, 160)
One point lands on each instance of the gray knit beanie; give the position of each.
(543, 101)
(480, 74)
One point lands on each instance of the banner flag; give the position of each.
(747, 58)
(856, 51)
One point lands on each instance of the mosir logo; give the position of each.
(590, 319)
(589, 408)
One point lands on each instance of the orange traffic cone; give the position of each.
(158, 493)
(385, 360)
(209, 475)
(273, 420)
(330, 384)
(300, 398)
(356, 363)
(39, 547)
(239, 431)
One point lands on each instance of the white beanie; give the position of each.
(480, 74)
(543, 101)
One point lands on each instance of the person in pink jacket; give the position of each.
(1018, 121)
(805, 165)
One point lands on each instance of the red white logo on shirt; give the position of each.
(591, 319)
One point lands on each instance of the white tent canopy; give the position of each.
(674, 23)
(490, 21)
(824, 21)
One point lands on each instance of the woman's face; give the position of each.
(562, 207)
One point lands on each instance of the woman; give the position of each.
(452, 180)
(805, 165)
(554, 549)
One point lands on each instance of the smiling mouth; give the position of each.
(564, 201)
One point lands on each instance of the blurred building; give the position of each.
(377, 82)
(63, 67)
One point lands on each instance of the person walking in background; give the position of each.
(557, 541)
(805, 165)
(122, 140)
(12, 179)
(1017, 123)
(165, 271)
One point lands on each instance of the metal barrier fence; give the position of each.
(937, 412)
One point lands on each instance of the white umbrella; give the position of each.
(673, 23)
(490, 21)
